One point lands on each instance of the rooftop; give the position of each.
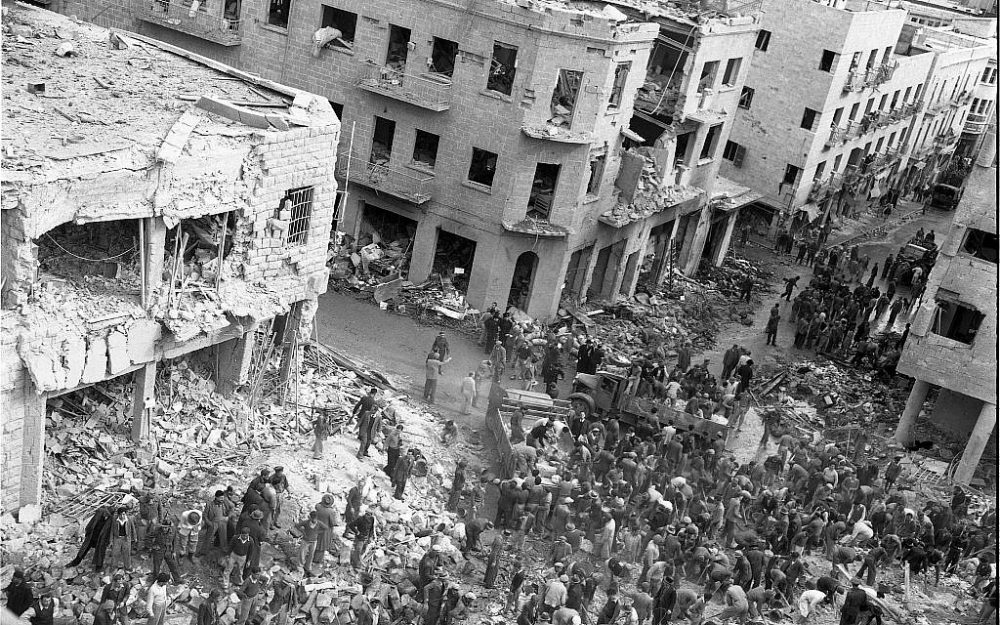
(79, 97)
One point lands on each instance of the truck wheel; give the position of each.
(582, 403)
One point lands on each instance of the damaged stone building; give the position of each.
(846, 99)
(155, 205)
(528, 151)
(952, 344)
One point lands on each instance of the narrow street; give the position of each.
(359, 329)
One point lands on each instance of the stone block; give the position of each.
(74, 359)
(142, 337)
(96, 367)
(29, 515)
(118, 360)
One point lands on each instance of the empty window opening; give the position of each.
(855, 60)
(746, 97)
(872, 56)
(425, 148)
(443, 53)
(837, 116)
(564, 97)
(344, 21)
(708, 72)
(596, 174)
(818, 173)
(102, 253)
(296, 209)
(543, 190)
(503, 68)
(621, 75)
(854, 111)
(732, 73)
(664, 76)
(881, 102)
(809, 119)
(956, 321)
(981, 244)
(394, 234)
(711, 141)
(385, 131)
(399, 45)
(827, 60)
(277, 13)
(791, 175)
(483, 166)
(878, 144)
(763, 40)
(522, 280)
(338, 109)
(681, 151)
(453, 258)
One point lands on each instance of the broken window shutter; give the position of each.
(741, 153)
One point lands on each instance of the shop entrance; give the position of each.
(453, 258)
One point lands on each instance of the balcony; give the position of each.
(976, 124)
(945, 141)
(427, 93)
(404, 184)
(857, 80)
(200, 21)
(822, 189)
(838, 134)
(559, 134)
(885, 72)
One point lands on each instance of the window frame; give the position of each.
(299, 199)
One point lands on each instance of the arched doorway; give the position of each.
(522, 280)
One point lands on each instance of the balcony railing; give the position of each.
(427, 93)
(857, 80)
(823, 188)
(885, 71)
(199, 22)
(837, 135)
(397, 182)
(976, 124)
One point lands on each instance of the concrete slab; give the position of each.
(96, 367)
(142, 337)
(118, 360)
(75, 359)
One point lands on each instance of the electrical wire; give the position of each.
(92, 260)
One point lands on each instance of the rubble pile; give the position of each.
(652, 194)
(730, 276)
(371, 264)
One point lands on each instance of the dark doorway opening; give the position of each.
(399, 40)
(522, 280)
(453, 258)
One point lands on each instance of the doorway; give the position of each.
(630, 266)
(576, 270)
(453, 258)
(522, 280)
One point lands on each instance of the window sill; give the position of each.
(612, 110)
(726, 88)
(704, 161)
(421, 168)
(496, 95)
(590, 199)
(478, 186)
(273, 28)
(338, 49)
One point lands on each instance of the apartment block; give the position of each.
(952, 343)
(498, 145)
(845, 100)
(148, 214)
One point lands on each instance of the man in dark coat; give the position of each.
(855, 601)
(95, 538)
(19, 594)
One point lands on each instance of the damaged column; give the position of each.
(234, 358)
(918, 393)
(154, 233)
(978, 440)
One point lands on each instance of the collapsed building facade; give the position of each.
(529, 151)
(952, 343)
(168, 209)
(845, 100)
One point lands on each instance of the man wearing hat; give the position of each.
(163, 546)
(363, 531)
(279, 481)
(117, 592)
(554, 594)
(216, 518)
(854, 602)
(429, 563)
(433, 597)
(327, 518)
(252, 594)
(310, 528)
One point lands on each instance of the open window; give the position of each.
(503, 68)
(746, 98)
(763, 40)
(399, 47)
(734, 153)
(809, 118)
(597, 162)
(385, 132)
(101, 252)
(981, 244)
(827, 60)
(483, 167)
(618, 87)
(707, 79)
(543, 189)
(425, 148)
(564, 97)
(711, 142)
(443, 53)
(344, 21)
(954, 320)
(277, 13)
(732, 73)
